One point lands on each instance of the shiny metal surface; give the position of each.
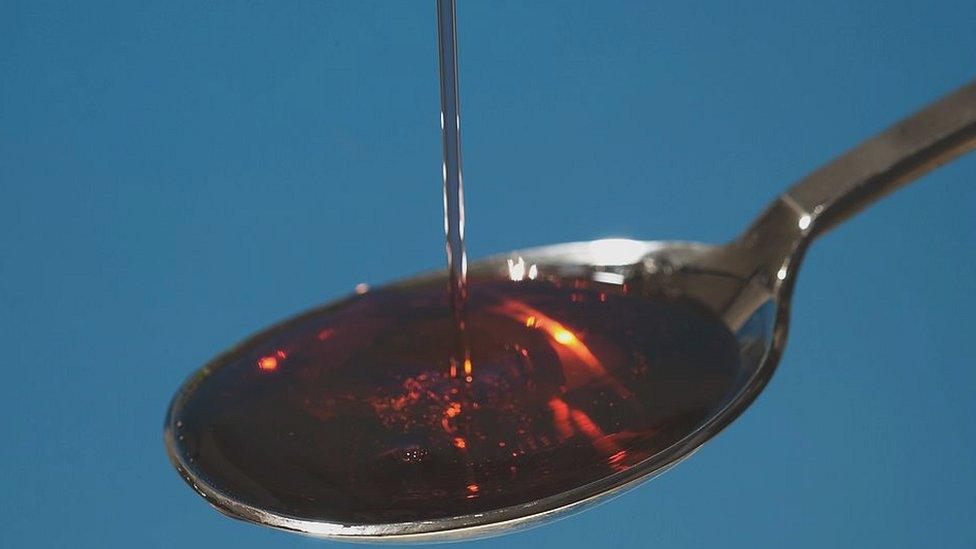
(747, 283)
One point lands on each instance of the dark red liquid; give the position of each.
(352, 413)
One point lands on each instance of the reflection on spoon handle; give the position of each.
(936, 135)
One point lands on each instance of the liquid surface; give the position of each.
(354, 413)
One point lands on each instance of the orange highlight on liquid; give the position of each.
(453, 409)
(564, 336)
(571, 350)
(270, 363)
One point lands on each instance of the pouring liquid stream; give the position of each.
(460, 362)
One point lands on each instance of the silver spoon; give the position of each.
(747, 283)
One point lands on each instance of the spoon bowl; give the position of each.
(699, 372)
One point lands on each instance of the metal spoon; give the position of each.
(747, 283)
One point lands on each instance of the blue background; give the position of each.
(175, 175)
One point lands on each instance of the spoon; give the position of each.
(746, 284)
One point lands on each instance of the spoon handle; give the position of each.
(937, 134)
